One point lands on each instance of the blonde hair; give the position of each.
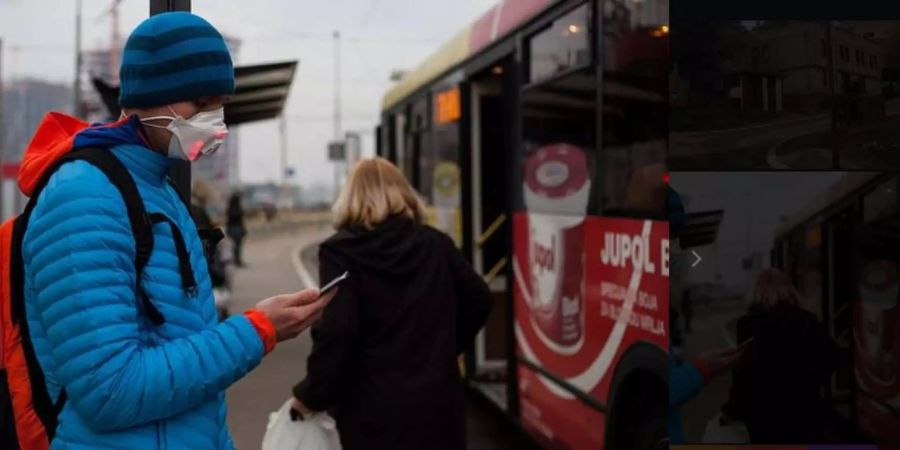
(773, 287)
(375, 190)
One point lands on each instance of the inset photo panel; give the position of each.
(784, 94)
(784, 316)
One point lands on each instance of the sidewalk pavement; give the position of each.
(269, 272)
(709, 334)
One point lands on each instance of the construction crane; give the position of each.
(115, 39)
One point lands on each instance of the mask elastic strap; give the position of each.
(152, 125)
(146, 119)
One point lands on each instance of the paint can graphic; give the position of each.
(556, 193)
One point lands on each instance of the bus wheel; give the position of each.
(653, 430)
(639, 416)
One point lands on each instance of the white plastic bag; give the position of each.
(316, 432)
(718, 433)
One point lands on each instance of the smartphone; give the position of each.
(333, 283)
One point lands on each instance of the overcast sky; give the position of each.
(380, 36)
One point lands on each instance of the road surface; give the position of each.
(271, 270)
(708, 335)
(755, 146)
(741, 148)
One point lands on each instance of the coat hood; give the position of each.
(396, 247)
(60, 133)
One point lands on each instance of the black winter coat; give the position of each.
(384, 358)
(776, 387)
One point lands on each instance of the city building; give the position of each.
(887, 35)
(25, 102)
(785, 65)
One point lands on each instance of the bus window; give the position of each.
(387, 138)
(559, 118)
(882, 202)
(379, 141)
(810, 270)
(634, 49)
(559, 135)
(564, 46)
(416, 139)
(436, 183)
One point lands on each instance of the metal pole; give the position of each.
(180, 173)
(161, 6)
(2, 134)
(337, 85)
(835, 150)
(337, 108)
(76, 110)
(282, 128)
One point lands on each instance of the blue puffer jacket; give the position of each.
(129, 384)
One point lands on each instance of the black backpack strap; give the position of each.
(141, 225)
(210, 236)
(188, 282)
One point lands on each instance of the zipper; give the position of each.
(162, 441)
(161, 435)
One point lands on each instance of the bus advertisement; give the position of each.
(590, 294)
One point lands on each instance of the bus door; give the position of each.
(838, 311)
(490, 228)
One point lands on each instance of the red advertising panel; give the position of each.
(586, 289)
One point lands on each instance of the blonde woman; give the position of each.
(776, 387)
(384, 358)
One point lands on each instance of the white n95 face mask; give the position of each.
(192, 138)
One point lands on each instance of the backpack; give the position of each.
(28, 416)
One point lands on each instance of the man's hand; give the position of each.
(293, 313)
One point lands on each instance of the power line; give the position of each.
(392, 40)
(365, 20)
(39, 48)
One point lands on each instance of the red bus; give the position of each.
(842, 255)
(537, 137)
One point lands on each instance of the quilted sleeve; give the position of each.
(79, 253)
(685, 382)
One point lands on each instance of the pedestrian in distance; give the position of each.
(237, 230)
(384, 357)
(125, 335)
(687, 309)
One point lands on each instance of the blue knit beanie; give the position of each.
(174, 57)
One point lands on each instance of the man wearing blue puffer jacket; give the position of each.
(687, 378)
(131, 383)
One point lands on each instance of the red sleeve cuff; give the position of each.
(703, 368)
(264, 327)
